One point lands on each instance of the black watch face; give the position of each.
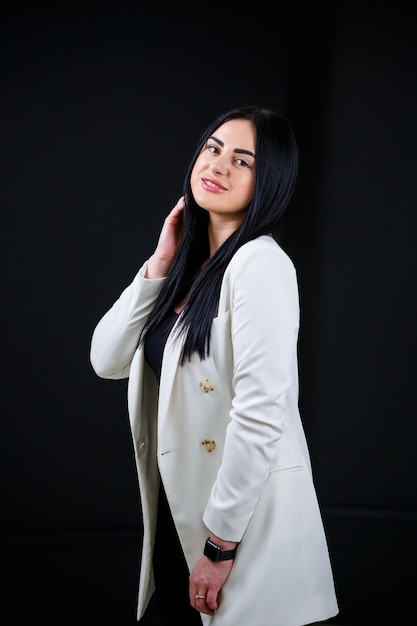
(211, 551)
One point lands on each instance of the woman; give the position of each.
(207, 333)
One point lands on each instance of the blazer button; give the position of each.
(206, 385)
(208, 445)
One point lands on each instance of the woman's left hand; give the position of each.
(207, 579)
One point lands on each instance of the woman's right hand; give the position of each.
(169, 239)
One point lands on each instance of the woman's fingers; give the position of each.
(168, 242)
(171, 231)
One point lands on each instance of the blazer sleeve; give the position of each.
(115, 338)
(264, 308)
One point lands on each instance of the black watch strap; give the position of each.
(214, 552)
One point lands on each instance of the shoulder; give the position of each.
(260, 277)
(261, 254)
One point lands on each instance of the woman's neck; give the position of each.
(219, 232)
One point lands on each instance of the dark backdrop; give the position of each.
(101, 108)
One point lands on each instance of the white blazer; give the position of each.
(228, 440)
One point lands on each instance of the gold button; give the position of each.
(208, 445)
(206, 385)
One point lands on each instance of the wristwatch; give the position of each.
(214, 552)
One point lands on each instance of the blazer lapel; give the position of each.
(170, 364)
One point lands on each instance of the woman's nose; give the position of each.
(219, 165)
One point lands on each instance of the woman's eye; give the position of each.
(242, 162)
(213, 148)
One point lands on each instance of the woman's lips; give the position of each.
(212, 185)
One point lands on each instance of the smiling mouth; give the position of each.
(212, 185)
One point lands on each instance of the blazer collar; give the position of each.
(170, 363)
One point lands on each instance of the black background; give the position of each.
(101, 108)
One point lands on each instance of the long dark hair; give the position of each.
(275, 179)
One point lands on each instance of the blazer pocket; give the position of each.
(284, 469)
(223, 318)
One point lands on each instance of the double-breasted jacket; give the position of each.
(225, 436)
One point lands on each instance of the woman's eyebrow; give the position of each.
(238, 150)
(242, 151)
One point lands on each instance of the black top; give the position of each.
(155, 342)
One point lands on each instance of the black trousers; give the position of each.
(171, 601)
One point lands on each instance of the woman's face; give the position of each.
(223, 176)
